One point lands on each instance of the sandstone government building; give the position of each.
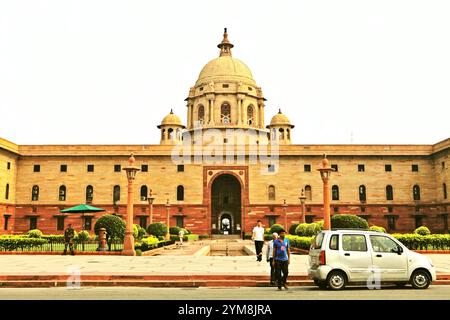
(399, 187)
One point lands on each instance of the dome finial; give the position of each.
(171, 111)
(279, 110)
(225, 46)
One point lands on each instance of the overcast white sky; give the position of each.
(71, 71)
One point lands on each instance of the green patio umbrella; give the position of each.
(82, 208)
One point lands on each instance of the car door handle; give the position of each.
(379, 255)
(346, 254)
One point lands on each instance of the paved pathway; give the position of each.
(170, 264)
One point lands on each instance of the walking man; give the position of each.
(269, 256)
(69, 233)
(181, 236)
(282, 258)
(258, 237)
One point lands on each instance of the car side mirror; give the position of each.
(399, 250)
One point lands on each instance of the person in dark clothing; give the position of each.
(282, 258)
(69, 234)
(269, 258)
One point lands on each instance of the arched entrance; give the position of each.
(226, 205)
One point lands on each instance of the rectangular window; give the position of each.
(117, 168)
(225, 140)
(387, 167)
(180, 168)
(390, 209)
(90, 168)
(6, 222)
(354, 242)
(309, 219)
(225, 86)
(271, 168)
(87, 223)
(59, 223)
(63, 168)
(442, 165)
(334, 242)
(143, 222)
(37, 168)
(8, 165)
(391, 223)
(180, 222)
(335, 167)
(307, 168)
(418, 221)
(272, 220)
(361, 168)
(336, 209)
(144, 168)
(363, 209)
(415, 168)
(33, 223)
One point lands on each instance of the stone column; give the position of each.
(239, 110)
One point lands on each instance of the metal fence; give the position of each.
(55, 246)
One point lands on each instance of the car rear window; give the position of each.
(317, 242)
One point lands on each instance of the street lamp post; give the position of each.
(168, 220)
(284, 205)
(302, 199)
(150, 200)
(128, 244)
(325, 173)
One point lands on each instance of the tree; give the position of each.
(115, 228)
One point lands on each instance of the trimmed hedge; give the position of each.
(176, 230)
(308, 229)
(157, 229)
(275, 228)
(12, 243)
(300, 242)
(189, 237)
(377, 229)
(423, 231)
(348, 221)
(429, 242)
(35, 233)
(147, 244)
(292, 228)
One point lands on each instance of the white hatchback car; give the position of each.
(339, 257)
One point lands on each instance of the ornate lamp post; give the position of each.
(284, 205)
(150, 200)
(302, 199)
(128, 244)
(325, 173)
(168, 220)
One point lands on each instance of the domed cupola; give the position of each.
(280, 128)
(171, 129)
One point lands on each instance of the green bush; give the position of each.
(114, 225)
(275, 228)
(157, 229)
(138, 232)
(247, 236)
(138, 252)
(148, 244)
(176, 230)
(308, 229)
(11, 243)
(35, 233)
(53, 237)
(423, 231)
(267, 230)
(377, 229)
(429, 242)
(300, 242)
(292, 228)
(189, 237)
(203, 236)
(348, 221)
(83, 236)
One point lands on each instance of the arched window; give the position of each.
(35, 193)
(7, 191)
(62, 193)
(274, 134)
(444, 190)
(171, 134)
(416, 192)
(116, 193)
(335, 192)
(201, 113)
(271, 192)
(225, 113)
(308, 192)
(144, 193)
(362, 193)
(250, 115)
(180, 193)
(281, 130)
(288, 134)
(163, 131)
(389, 193)
(89, 194)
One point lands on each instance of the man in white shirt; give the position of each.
(269, 256)
(258, 237)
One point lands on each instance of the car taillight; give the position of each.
(322, 258)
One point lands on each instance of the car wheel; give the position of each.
(336, 280)
(320, 284)
(420, 279)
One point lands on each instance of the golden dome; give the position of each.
(280, 120)
(171, 120)
(225, 67)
